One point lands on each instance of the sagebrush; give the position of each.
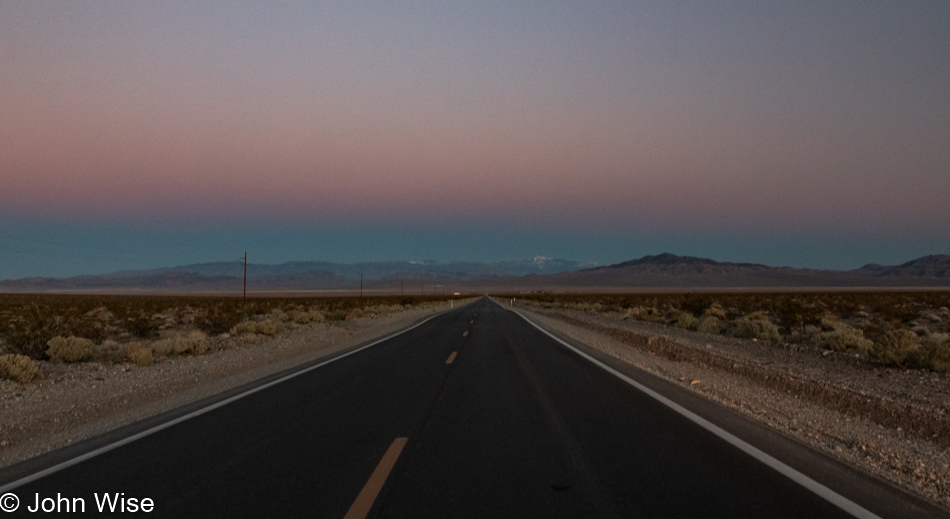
(18, 368)
(888, 328)
(29, 321)
(70, 349)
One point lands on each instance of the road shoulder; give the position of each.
(708, 393)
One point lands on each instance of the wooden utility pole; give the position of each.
(361, 289)
(245, 278)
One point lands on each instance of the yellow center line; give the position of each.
(360, 508)
(452, 357)
(465, 334)
(472, 321)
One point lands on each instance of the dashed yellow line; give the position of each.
(465, 334)
(452, 357)
(364, 502)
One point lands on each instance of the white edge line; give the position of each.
(822, 491)
(129, 439)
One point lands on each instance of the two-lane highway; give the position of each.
(475, 413)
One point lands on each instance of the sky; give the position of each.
(158, 133)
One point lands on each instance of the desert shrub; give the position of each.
(898, 312)
(685, 321)
(138, 354)
(18, 368)
(99, 313)
(589, 307)
(266, 327)
(87, 328)
(307, 316)
(199, 343)
(337, 315)
(708, 324)
(843, 338)
(164, 347)
(933, 355)
(355, 313)
(895, 348)
(252, 339)
(715, 310)
(758, 315)
(300, 316)
(279, 315)
(920, 330)
(195, 343)
(110, 351)
(29, 333)
(938, 337)
(219, 320)
(648, 314)
(29, 321)
(70, 349)
(795, 314)
(244, 327)
(694, 304)
(828, 321)
(757, 329)
(142, 326)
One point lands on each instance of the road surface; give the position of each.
(473, 413)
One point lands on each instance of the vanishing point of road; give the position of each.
(475, 412)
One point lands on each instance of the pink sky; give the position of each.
(637, 119)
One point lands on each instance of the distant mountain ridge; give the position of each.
(668, 259)
(937, 266)
(661, 270)
(665, 270)
(372, 271)
(301, 275)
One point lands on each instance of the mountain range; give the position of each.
(663, 270)
(300, 275)
(668, 270)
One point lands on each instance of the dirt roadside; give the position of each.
(77, 401)
(889, 422)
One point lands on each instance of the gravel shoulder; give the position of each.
(78, 401)
(889, 422)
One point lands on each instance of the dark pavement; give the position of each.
(516, 425)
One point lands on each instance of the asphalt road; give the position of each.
(475, 413)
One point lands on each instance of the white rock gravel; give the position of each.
(917, 464)
(73, 402)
